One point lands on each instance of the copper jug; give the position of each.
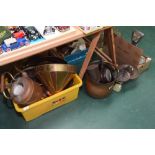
(23, 90)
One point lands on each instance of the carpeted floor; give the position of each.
(133, 107)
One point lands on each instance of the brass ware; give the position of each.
(55, 76)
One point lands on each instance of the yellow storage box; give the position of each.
(38, 108)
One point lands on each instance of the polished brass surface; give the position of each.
(55, 76)
(56, 68)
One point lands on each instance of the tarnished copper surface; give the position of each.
(98, 90)
(32, 91)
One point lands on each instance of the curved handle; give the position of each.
(4, 86)
(23, 72)
(17, 69)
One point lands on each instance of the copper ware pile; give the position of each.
(34, 83)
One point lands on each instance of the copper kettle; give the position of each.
(23, 90)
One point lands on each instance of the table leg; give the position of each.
(89, 55)
(109, 40)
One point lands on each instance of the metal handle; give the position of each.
(5, 86)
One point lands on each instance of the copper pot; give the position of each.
(98, 90)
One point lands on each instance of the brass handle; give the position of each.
(4, 86)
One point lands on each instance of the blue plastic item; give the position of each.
(77, 58)
(11, 47)
(23, 41)
(19, 43)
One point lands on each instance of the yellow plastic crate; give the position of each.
(38, 108)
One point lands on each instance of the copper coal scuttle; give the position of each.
(100, 79)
